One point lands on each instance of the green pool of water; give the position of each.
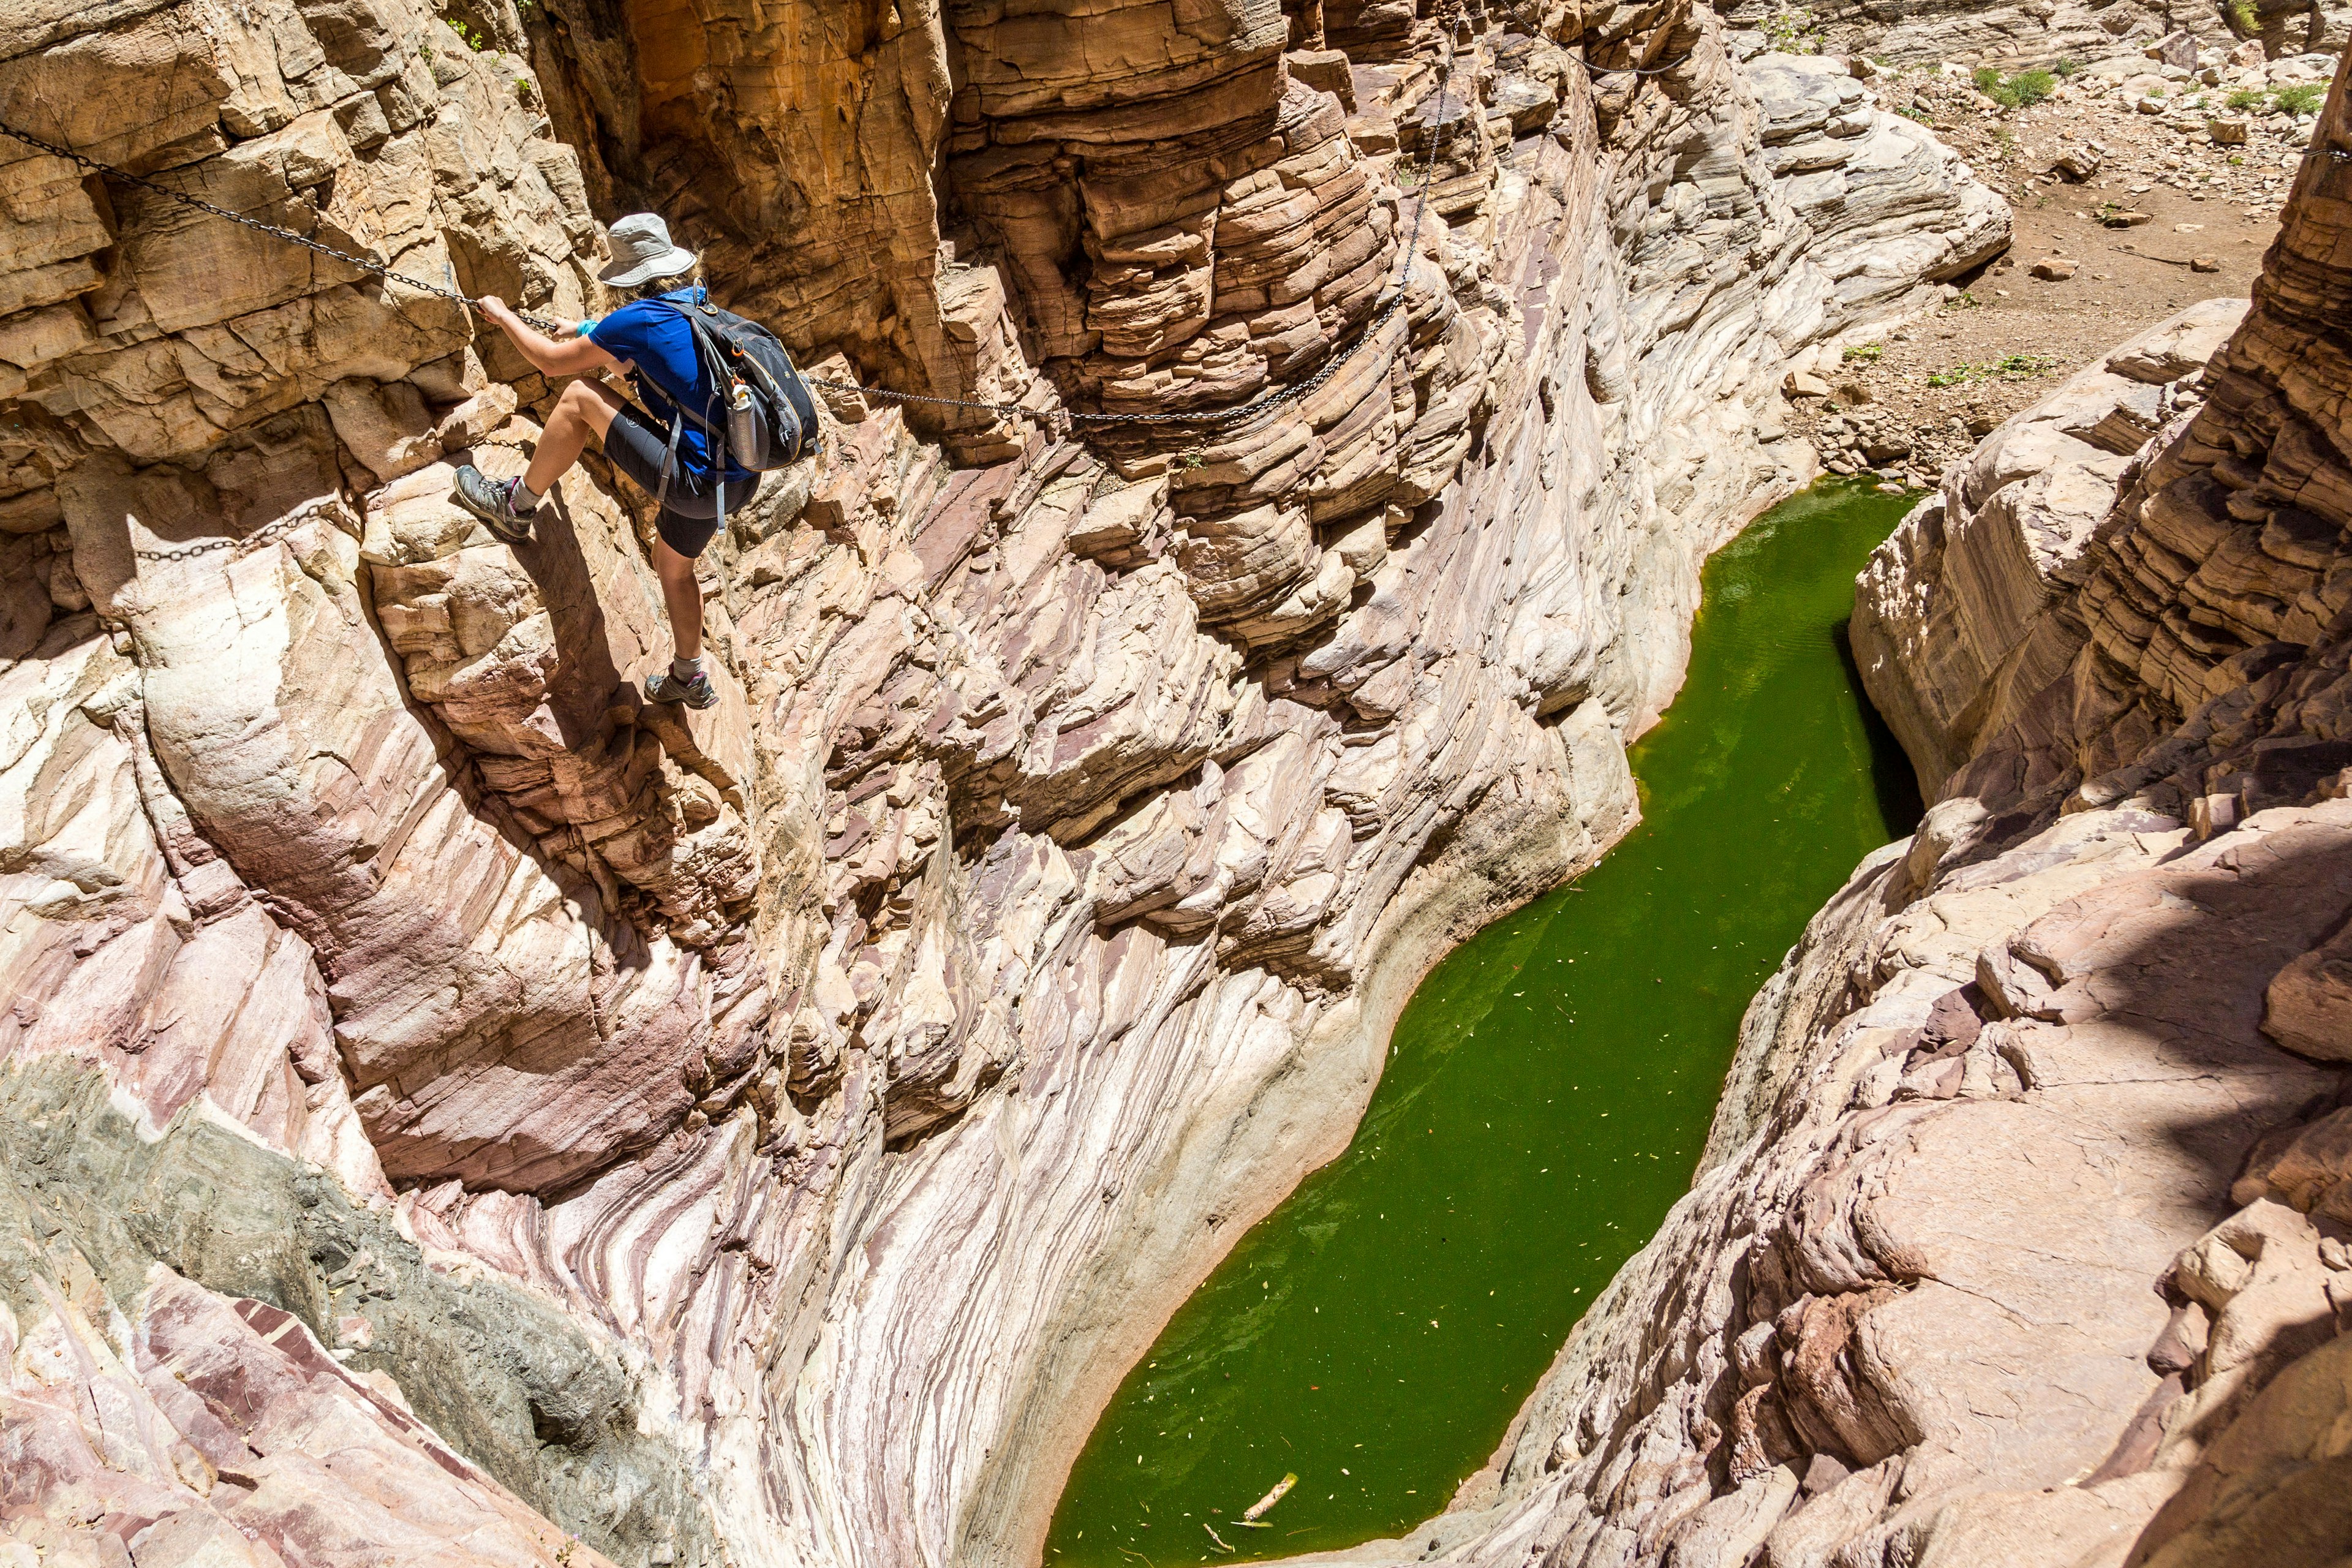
(1546, 1097)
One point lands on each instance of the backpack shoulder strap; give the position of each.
(658, 396)
(644, 378)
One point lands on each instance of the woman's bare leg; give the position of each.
(585, 408)
(683, 597)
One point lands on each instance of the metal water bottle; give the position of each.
(744, 436)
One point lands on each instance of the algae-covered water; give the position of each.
(1547, 1091)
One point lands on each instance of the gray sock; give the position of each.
(683, 670)
(522, 499)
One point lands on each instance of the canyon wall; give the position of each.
(456, 1109)
(2016, 1239)
(2041, 31)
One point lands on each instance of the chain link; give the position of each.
(276, 231)
(1053, 418)
(271, 529)
(261, 535)
(1671, 65)
(1215, 419)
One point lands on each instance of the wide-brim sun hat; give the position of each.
(642, 249)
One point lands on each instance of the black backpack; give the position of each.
(762, 416)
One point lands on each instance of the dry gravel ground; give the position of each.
(2153, 210)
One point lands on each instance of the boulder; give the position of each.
(2076, 165)
(1325, 70)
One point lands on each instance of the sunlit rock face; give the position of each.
(2020, 1237)
(2041, 31)
(765, 1135)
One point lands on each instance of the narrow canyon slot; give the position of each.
(1546, 1094)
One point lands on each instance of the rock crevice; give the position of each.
(866, 1065)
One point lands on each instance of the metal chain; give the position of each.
(270, 531)
(1592, 70)
(261, 535)
(276, 231)
(1007, 408)
(1218, 419)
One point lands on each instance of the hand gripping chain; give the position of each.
(276, 231)
(1218, 419)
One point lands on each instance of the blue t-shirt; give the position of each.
(652, 335)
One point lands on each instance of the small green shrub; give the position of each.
(473, 37)
(2245, 98)
(1792, 30)
(2019, 92)
(2244, 20)
(1913, 111)
(2009, 367)
(2303, 98)
(1867, 353)
(2066, 67)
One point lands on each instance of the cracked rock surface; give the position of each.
(2021, 1234)
(766, 1135)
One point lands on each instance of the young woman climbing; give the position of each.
(648, 338)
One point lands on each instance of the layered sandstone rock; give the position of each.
(1967, 611)
(1936, 1294)
(331, 1396)
(771, 1131)
(2019, 1237)
(2045, 31)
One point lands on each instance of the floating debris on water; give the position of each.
(1281, 1488)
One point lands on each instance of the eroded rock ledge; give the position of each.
(846, 1080)
(2021, 1233)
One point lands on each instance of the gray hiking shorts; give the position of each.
(690, 513)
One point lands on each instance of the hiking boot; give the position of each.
(695, 691)
(492, 501)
